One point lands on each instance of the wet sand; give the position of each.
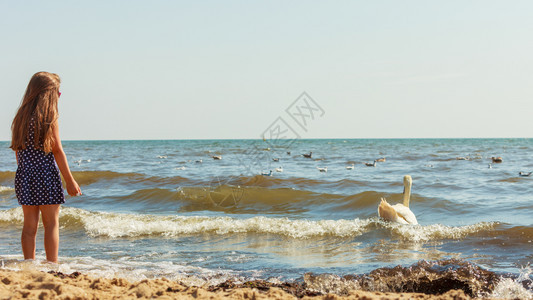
(40, 285)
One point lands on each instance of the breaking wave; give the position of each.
(135, 225)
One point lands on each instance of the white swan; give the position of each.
(280, 169)
(399, 213)
(350, 167)
(324, 169)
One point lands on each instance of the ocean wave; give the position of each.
(130, 269)
(237, 198)
(428, 277)
(116, 225)
(126, 225)
(6, 189)
(263, 181)
(438, 231)
(7, 175)
(252, 199)
(515, 179)
(90, 177)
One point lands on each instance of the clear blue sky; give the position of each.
(228, 69)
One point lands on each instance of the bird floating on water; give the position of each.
(180, 168)
(399, 213)
(308, 155)
(325, 169)
(280, 169)
(351, 167)
(490, 166)
(371, 164)
(383, 159)
(199, 161)
(275, 159)
(497, 160)
(462, 158)
(524, 174)
(288, 153)
(217, 157)
(267, 174)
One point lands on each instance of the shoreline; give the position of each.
(56, 285)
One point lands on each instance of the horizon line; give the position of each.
(259, 139)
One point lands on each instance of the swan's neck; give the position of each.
(406, 194)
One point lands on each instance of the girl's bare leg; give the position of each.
(29, 231)
(50, 214)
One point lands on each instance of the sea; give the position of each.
(264, 211)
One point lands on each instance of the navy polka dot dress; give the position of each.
(37, 181)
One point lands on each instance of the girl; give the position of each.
(35, 140)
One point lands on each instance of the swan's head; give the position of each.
(407, 180)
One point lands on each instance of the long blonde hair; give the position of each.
(39, 103)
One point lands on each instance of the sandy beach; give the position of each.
(40, 285)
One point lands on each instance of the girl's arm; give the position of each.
(73, 188)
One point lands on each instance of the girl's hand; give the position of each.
(73, 189)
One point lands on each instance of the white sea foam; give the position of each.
(133, 225)
(130, 225)
(4, 189)
(124, 268)
(13, 215)
(422, 233)
(509, 288)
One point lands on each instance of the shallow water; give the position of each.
(150, 210)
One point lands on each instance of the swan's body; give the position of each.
(350, 167)
(525, 174)
(325, 169)
(383, 159)
(399, 213)
(275, 159)
(310, 155)
(267, 174)
(217, 157)
(280, 169)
